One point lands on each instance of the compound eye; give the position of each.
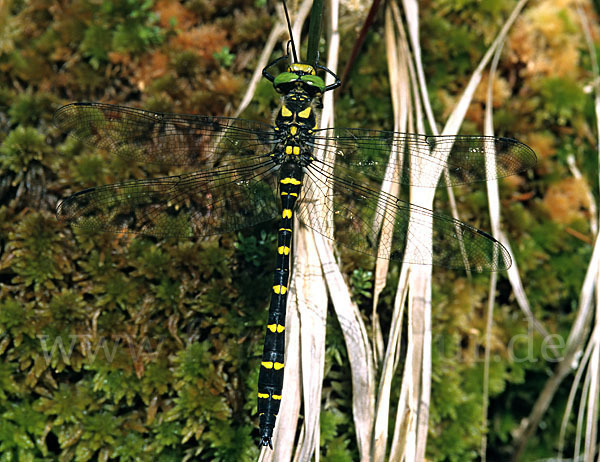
(315, 83)
(285, 81)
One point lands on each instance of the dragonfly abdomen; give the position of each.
(270, 379)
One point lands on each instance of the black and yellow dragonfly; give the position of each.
(248, 172)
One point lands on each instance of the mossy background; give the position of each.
(121, 348)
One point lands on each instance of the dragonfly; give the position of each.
(246, 172)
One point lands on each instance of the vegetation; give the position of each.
(131, 348)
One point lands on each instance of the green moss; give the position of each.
(186, 63)
(224, 57)
(130, 348)
(22, 146)
(123, 26)
(95, 45)
(28, 108)
(563, 99)
(29, 423)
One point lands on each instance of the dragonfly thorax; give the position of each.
(295, 122)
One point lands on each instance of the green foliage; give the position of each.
(95, 46)
(28, 108)
(366, 102)
(563, 100)
(361, 283)
(94, 328)
(22, 146)
(224, 57)
(337, 425)
(22, 428)
(337, 447)
(456, 43)
(254, 251)
(123, 26)
(231, 443)
(34, 245)
(456, 410)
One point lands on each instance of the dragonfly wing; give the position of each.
(421, 157)
(195, 204)
(171, 139)
(361, 215)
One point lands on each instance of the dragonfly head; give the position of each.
(299, 76)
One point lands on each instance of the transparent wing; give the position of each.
(367, 152)
(195, 204)
(357, 209)
(170, 139)
(236, 188)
